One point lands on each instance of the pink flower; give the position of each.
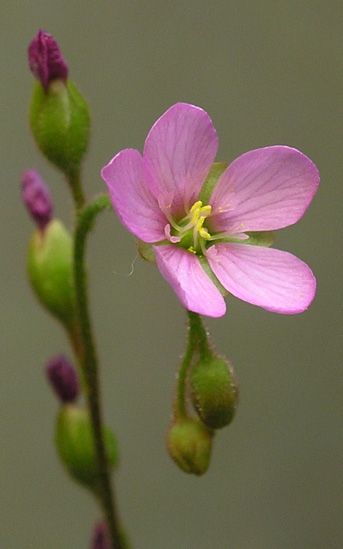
(207, 223)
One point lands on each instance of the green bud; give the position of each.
(214, 391)
(75, 445)
(50, 268)
(60, 123)
(189, 444)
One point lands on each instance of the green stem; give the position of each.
(84, 222)
(74, 182)
(200, 333)
(197, 341)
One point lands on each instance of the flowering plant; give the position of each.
(209, 228)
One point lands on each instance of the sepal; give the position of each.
(50, 269)
(60, 123)
(217, 169)
(146, 251)
(76, 448)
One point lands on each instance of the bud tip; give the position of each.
(63, 378)
(45, 59)
(36, 197)
(100, 539)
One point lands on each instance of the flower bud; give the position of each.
(45, 59)
(189, 444)
(50, 268)
(63, 378)
(100, 538)
(59, 115)
(36, 197)
(76, 448)
(214, 391)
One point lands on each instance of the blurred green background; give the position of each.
(267, 73)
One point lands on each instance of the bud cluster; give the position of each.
(213, 393)
(60, 124)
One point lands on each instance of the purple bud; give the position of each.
(63, 378)
(36, 196)
(100, 538)
(45, 59)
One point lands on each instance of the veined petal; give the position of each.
(268, 189)
(136, 207)
(179, 151)
(275, 280)
(191, 284)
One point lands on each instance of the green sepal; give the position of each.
(50, 269)
(260, 238)
(60, 123)
(146, 251)
(216, 170)
(75, 445)
(214, 391)
(189, 444)
(256, 238)
(205, 265)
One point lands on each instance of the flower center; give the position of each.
(190, 232)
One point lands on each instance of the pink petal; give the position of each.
(194, 288)
(267, 188)
(137, 209)
(179, 150)
(272, 279)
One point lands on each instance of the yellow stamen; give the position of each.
(200, 223)
(206, 210)
(204, 234)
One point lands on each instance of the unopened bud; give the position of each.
(100, 538)
(214, 391)
(45, 59)
(76, 448)
(59, 115)
(50, 268)
(36, 196)
(63, 378)
(189, 444)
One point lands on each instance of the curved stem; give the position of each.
(200, 333)
(85, 218)
(197, 342)
(180, 409)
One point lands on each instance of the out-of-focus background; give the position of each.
(267, 73)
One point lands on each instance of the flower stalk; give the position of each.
(74, 182)
(85, 219)
(197, 343)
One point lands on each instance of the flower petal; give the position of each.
(191, 284)
(267, 188)
(137, 209)
(179, 150)
(275, 280)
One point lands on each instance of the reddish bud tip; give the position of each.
(63, 379)
(100, 539)
(36, 197)
(45, 59)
